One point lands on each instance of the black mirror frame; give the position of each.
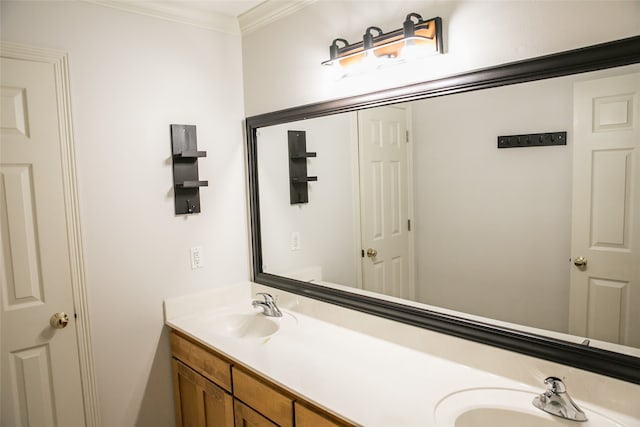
(597, 57)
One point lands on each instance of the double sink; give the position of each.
(465, 407)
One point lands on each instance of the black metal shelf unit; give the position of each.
(185, 155)
(298, 178)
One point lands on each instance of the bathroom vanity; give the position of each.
(322, 365)
(213, 390)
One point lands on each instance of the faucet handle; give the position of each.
(268, 298)
(555, 385)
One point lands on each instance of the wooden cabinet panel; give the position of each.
(262, 397)
(202, 361)
(247, 417)
(199, 402)
(306, 417)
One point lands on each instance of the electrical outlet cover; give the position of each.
(295, 241)
(196, 257)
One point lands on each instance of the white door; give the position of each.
(384, 198)
(41, 381)
(605, 292)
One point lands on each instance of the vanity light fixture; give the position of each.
(417, 38)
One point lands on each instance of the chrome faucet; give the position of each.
(269, 307)
(557, 401)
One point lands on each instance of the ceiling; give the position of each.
(233, 8)
(228, 16)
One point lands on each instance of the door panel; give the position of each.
(385, 201)
(606, 313)
(41, 383)
(606, 210)
(31, 371)
(610, 216)
(23, 284)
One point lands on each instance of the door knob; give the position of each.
(580, 262)
(372, 253)
(59, 320)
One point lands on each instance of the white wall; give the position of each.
(331, 247)
(282, 61)
(493, 226)
(131, 77)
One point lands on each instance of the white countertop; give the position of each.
(365, 379)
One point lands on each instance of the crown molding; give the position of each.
(268, 12)
(177, 12)
(173, 10)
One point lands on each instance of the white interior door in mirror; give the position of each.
(605, 290)
(384, 193)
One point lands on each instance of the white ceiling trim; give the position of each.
(176, 12)
(259, 16)
(268, 12)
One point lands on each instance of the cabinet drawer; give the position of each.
(247, 417)
(306, 417)
(202, 361)
(262, 397)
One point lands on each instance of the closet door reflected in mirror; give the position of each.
(605, 275)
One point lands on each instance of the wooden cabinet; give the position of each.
(247, 417)
(199, 402)
(210, 390)
(306, 417)
(263, 397)
(203, 361)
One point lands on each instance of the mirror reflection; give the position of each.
(416, 201)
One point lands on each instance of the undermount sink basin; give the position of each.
(482, 407)
(249, 324)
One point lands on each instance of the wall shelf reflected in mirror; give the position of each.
(537, 334)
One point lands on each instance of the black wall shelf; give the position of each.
(298, 178)
(185, 155)
(192, 184)
(189, 154)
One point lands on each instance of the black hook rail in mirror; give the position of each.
(185, 155)
(533, 140)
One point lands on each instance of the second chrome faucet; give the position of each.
(557, 401)
(268, 305)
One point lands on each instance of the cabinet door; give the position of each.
(247, 417)
(199, 402)
(263, 397)
(201, 360)
(306, 417)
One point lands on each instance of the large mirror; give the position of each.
(419, 216)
